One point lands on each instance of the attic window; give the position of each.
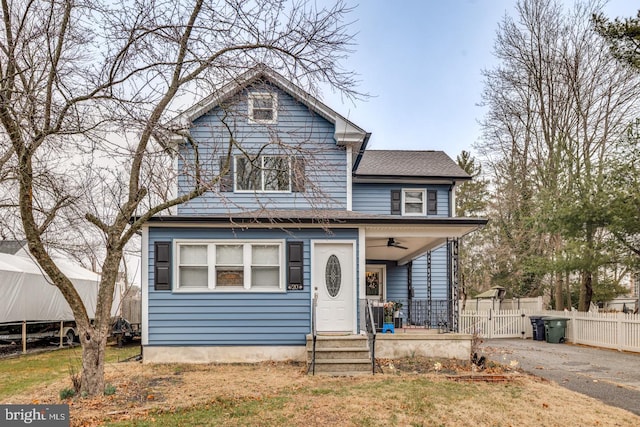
(263, 108)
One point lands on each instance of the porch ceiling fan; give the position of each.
(391, 243)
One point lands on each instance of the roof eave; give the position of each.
(388, 220)
(404, 178)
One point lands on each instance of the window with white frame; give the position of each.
(230, 266)
(263, 107)
(265, 173)
(413, 202)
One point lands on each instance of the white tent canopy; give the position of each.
(27, 294)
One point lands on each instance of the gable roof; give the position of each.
(346, 132)
(11, 247)
(408, 164)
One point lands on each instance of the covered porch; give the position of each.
(410, 274)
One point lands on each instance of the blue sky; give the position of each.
(422, 61)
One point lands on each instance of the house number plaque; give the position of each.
(295, 287)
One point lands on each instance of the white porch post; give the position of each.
(362, 268)
(144, 285)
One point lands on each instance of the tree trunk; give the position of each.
(586, 291)
(93, 352)
(559, 303)
(568, 282)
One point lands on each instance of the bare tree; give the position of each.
(89, 83)
(558, 105)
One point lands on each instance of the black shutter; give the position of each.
(395, 202)
(226, 180)
(295, 263)
(432, 202)
(298, 179)
(162, 268)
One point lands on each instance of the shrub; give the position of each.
(67, 393)
(109, 390)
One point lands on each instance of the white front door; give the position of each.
(333, 279)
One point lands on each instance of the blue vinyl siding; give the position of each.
(233, 318)
(301, 132)
(397, 282)
(439, 273)
(397, 277)
(376, 198)
(439, 280)
(419, 279)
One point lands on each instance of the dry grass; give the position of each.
(412, 392)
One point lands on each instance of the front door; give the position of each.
(375, 282)
(333, 280)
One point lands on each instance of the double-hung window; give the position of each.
(263, 174)
(413, 202)
(263, 108)
(230, 266)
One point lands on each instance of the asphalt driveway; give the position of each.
(608, 375)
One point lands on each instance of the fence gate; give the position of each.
(492, 324)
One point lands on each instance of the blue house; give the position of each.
(301, 226)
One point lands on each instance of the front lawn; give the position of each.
(414, 392)
(23, 372)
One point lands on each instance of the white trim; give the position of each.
(349, 152)
(173, 190)
(424, 201)
(144, 284)
(211, 247)
(362, 259)
(452, 201)
(252, 96)
(383, 278)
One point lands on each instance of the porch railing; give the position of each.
(414, 313)
(314, 335)
(371, 333)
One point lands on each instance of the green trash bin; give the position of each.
(555, 329)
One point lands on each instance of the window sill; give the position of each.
(229, 290)
(263, 191)
(262, 122)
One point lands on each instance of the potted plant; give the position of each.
(391, 312)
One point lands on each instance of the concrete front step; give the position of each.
(342, 366)
(336, 341)
(340, 355)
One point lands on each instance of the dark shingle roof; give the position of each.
(401, 163)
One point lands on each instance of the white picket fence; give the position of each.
(618, 331)
(496, 324)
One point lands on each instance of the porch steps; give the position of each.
(340, 355)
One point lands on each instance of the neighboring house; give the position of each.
(233, 272)
(14, 247)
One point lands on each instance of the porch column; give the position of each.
(452, 274)
(429, 313)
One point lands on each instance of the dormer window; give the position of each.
(263, 108)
